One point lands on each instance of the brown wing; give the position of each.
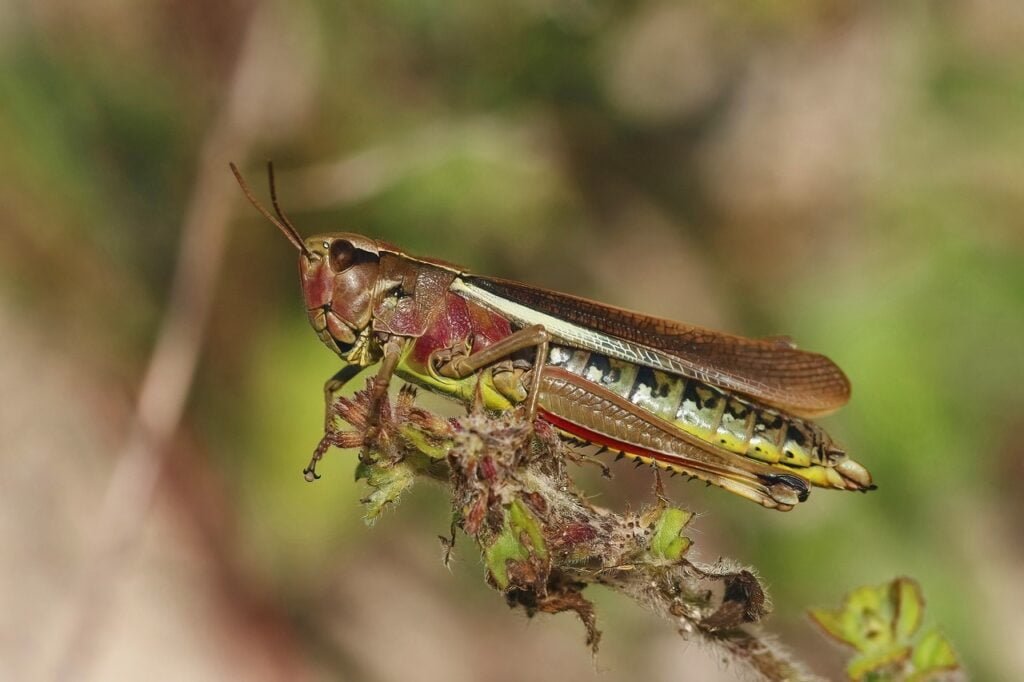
(771, 371)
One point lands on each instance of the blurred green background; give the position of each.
(847, 173)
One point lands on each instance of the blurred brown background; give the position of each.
(849, 173)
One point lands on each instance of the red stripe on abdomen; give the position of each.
(607, 441)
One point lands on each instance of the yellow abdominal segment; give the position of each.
(706, 412)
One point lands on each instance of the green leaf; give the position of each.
(388, 481)
(881, 622)
(865, 620)
(867, 665)
(909, 602)
(431, 447)
(520, 540)
(506, 547)
(668, 543)
(522, 521)
(933, 654)
(832, 623)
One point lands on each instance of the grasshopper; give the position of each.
(730, 411)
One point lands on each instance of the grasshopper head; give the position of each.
(340, 280)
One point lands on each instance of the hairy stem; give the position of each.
(544, 543)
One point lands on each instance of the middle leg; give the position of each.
(462, 366)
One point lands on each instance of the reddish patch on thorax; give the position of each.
(460, 320)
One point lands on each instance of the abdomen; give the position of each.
(716, 417)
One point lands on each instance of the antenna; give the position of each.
(284, 224)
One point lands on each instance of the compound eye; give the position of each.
(342, 254)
